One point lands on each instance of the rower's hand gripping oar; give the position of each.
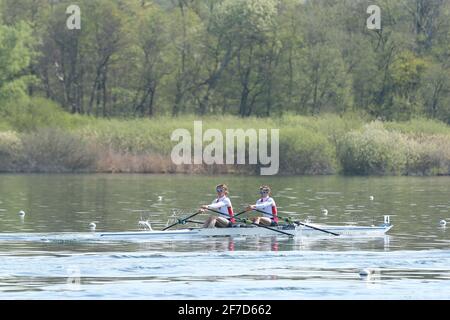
(182, 221)
(301, 223)
(255, 224)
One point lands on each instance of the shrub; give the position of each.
(308, 145)
(429, 155)
(134, 136)
(28, 115)
(305, 152)
(374, 150)
(10, 150)
(53, 150)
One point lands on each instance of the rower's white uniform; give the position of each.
(268, 206)
(223, 205)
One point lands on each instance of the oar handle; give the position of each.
(303, 224)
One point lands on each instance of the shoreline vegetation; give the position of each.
(57, 142)
(106, 96)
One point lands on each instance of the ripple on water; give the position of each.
(312, 273)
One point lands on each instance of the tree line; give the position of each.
(139, 58)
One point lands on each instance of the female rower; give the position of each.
(267, 206)
(223, 205)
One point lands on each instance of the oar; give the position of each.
(187, 219)
(255, 224)
(200, 222)
(195, 221)
(181, 221)
(301, 223)
(238, 214)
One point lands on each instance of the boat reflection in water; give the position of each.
(268, 244)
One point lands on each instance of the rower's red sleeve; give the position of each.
(274, 213)
(231, 214)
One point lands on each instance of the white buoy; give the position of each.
(443, 223)
(145, 225)
(160, 198)
(371, 198)
(22, 213)
(325, 212)
(92, 226)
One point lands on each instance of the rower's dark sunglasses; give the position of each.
(219, 190)
(263, 191)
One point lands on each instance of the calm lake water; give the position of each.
(411, 262)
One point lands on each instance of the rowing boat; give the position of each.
(250, 230)
(295, 229)
(238, 231)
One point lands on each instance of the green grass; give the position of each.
(31, 114)
(419, 126)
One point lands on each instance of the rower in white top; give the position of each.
(223, 205)
(267, 205)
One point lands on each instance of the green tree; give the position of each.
(248, 28)
(152, 45)
(15, 56)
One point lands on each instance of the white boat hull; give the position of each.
(299, 231)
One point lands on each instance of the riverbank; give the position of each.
(54, 141)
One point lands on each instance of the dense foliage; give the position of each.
(240, 57)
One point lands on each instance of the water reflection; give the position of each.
(86, 242)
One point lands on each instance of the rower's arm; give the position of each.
(262, 205)
(217, 205)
